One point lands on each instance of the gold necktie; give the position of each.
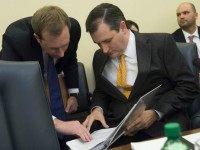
(121, 76)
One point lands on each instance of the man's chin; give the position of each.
(183, 25)
(113, 56)
(56, 57)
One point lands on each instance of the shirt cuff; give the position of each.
(73, 90)
(96, 107)
(160, 114)
(53, 117)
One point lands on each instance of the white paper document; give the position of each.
(103, 138)
(98, 137)
(158, 143)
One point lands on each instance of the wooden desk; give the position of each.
(128, 146)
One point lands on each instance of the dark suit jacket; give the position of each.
(179, 36)
(19, 44)
(159, 62)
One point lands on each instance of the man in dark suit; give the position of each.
(49, 35)
(188, 31)
(149, 60)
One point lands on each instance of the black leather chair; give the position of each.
(26, 122)
(189, 51)
(84, 95)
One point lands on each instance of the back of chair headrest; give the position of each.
(25, 107)
(189, 51)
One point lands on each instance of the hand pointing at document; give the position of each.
(96, 114)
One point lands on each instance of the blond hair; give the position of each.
(49, 18)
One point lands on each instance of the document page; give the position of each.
(98, 137)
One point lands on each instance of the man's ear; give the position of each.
(37, 38)
(122, 26)
(196, 16)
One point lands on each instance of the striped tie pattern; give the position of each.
(191, 37)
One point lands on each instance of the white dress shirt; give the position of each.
(110, 69)
(195, 39)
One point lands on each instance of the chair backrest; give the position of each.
(84, 96)
(26, 122)
(189, 51)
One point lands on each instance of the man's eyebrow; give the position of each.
(108, 39)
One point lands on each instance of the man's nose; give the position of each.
(61, 53)
(105, 48)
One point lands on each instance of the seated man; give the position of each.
(127, 66)
(51, 38)
(188, 31)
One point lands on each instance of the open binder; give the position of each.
(117, 132)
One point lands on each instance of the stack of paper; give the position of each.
(98, 137)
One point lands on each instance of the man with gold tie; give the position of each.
(130, 64)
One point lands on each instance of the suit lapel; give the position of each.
(182, 37)
(143, 50)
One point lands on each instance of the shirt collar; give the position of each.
(131, 47)
(186, 34)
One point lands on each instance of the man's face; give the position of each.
(110, 41)
(186, 16)
(55, 46)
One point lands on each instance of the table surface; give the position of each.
(128, 146)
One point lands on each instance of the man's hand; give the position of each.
(72, 128)
(96, 114)
(144, 121)
(72, 105)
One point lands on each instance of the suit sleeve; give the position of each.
(185, 89)
(99, 98)
(70, 66)
(8, 51)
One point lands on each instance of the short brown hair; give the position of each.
(51, 19)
